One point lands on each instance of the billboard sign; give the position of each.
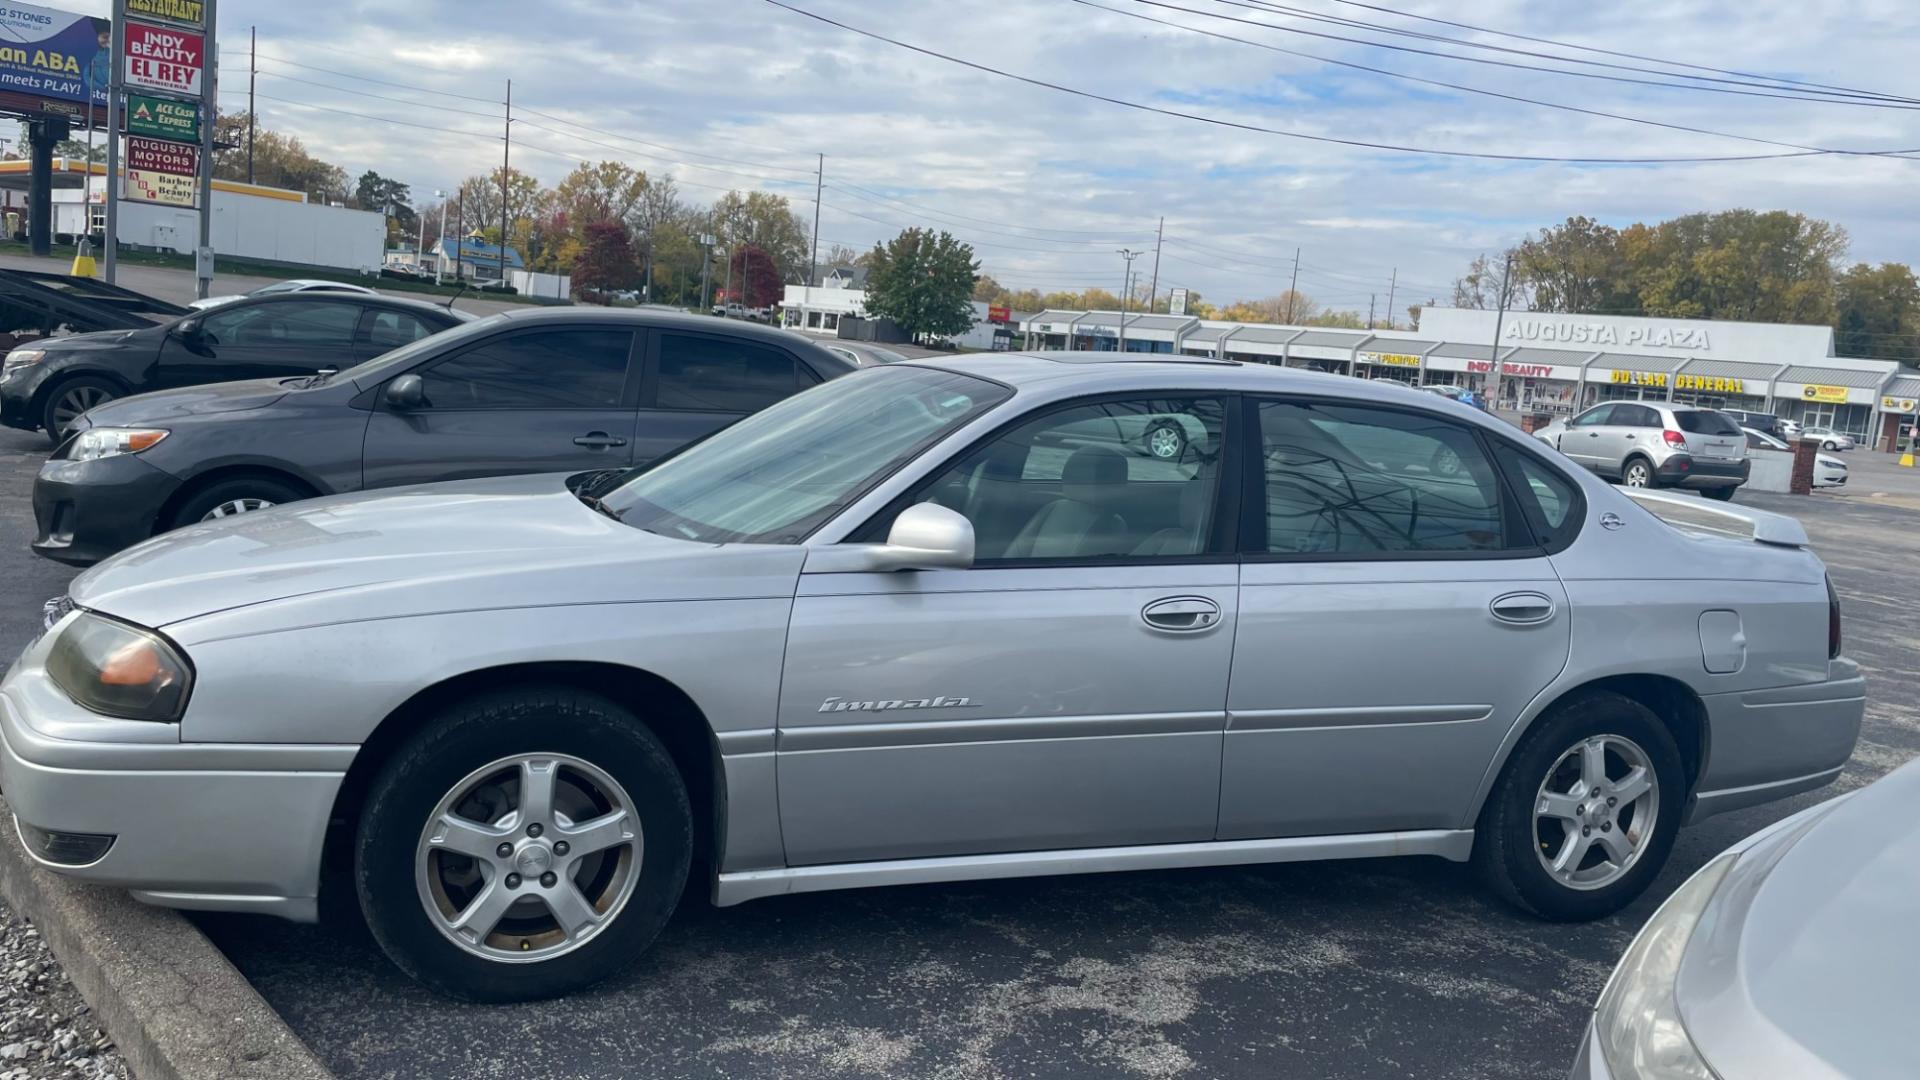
(998, 313)
(161, 171)
(55, 56)
(163, 118)
(186, 12)
(1177, 302)
(163, 58)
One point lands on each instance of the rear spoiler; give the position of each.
(1698, 512)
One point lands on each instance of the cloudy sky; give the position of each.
(1047, 185)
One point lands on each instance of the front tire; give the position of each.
(72, 397)
(1829, 445)
(227, 498)
(1585, 812)
(526, 843)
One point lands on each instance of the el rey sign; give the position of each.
(163, 58)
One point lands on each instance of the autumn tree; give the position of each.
(756, 281)
(603, 191)
(606, 261)
(766, 221)
(923, 281)
(279, 160)
(480, 202)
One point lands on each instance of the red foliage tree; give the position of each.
(606, 262)
(756, 280)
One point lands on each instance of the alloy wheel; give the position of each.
(1637, 475)
(1446, 461)
(236, 506)
(76, 400)
(529, 857)
(1165, 443)
(1596, 811)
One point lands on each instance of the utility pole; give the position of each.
(706, 270)
(460, 231)
(813, 268)
(1494, 366)
(253, 69)
(117, 57)
(506, 175)
(1393, 285)
(1293, 286)
(209, 104)
(1126, 286)
(440, 262)
(1153, 290)
(1371, 297)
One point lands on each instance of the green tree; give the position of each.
(923, 281)
(1572, 267)
(1879, 313)
(390, 197)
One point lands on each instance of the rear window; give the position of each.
(1706, 422)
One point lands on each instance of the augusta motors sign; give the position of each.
(1578, 333)
(163, 58)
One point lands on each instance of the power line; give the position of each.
(381, 82)
(366, 116)
(1441, 83)
(1237, 125)
(380, 97)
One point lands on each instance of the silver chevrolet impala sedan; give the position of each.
(932, 621)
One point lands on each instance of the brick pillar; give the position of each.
(1803, 454)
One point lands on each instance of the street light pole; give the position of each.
(440, 263)
(1126, 286)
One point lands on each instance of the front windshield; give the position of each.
(780, 473)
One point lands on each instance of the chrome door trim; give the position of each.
(1368, 716)
(735, 888)
(878, 736)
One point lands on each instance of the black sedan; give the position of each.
(47, 384)
(539, 390)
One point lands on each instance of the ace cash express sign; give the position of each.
(163, 58)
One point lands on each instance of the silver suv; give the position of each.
(1655, 444)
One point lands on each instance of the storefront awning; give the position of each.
(1395, 347)
(1730, 369)
(1853, 378)
(1461, 351)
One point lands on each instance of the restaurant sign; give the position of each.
(1900, 405)
(1393, 359)
(1812, 392)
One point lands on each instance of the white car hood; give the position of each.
(468, 545)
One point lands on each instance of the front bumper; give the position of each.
(85, 511)
(1687, 471)
(223, 827)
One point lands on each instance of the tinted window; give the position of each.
(1347, 480)
(720, 374)
(287, 323)
(1642, 416)
(1117, 478)
(1705, 422)
(1548, 497)
(546, 369)
(392, 329)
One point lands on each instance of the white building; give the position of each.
(1551, 363)
(818, 309)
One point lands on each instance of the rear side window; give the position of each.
(287, 323)
(392, 329)
(1550, 501)
(545, 369)
(1357, 481)
(1706, 422)
(721, 374)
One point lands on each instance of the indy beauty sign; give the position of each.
(165, 58)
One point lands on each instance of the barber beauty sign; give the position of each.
(163, 58)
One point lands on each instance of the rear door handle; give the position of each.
(1182, 614)
(599, 440)
(1523, 608)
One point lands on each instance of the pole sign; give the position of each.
(161, 171)
(163, 118)
(185, 12)
(164, 58)
(1177, 302)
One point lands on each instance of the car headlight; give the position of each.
(105, 442)
(117, 669)
(1638, 1020)
(20, 358)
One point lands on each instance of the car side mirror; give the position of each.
(189, 329)
(406, 392)
(926, 536)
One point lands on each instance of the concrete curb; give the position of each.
(173, 1004)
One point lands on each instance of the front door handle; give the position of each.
(599, 440)
(1182, 614)
(1523, 608)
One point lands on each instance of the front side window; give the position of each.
(542, 369)
(721, 374)
(278, 324)
(779, 474)
(1346, 480)
(1136, 478)
(1593, 417)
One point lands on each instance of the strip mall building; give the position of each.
(1552, 363)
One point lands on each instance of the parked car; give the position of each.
(1828, 471)
(1778, 427)
(861, 354)
(1829, 439)
(799, 650)
(534, 391)
(298, 285)
(1647, 444)
(47, 384)
(1790, 955)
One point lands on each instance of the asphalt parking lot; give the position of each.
(1383, 968)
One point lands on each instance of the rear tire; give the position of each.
(403, 878)
(228, 498)
(1638, 472)
(1829, 445)
(1517, 837)
(71, 397)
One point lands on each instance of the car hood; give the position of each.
(1817, 978)
(469, 545)
(97, 339)
(163, 405)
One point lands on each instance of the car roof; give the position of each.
(679, 320)
(381, 299)
(1097, 372)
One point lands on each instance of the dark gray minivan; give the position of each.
(541, 390)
